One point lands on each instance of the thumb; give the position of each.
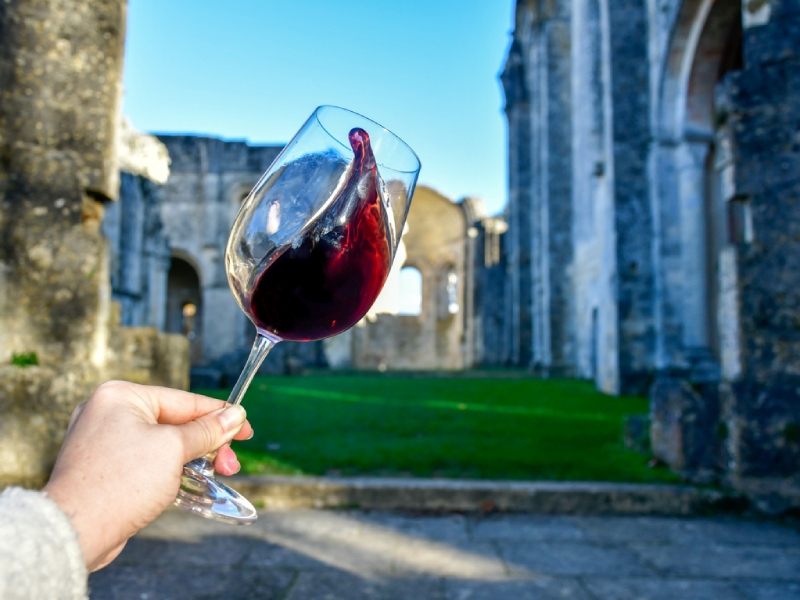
(211, 431)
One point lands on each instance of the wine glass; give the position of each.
(308, 254)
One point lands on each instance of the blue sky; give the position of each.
(255, 69)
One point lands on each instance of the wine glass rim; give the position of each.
(390, 132)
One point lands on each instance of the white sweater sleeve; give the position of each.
(40, 557)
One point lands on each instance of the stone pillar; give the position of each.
(630, 89)
(537, 82)
(693, 243)
(557, 175)
(60, 70)
(519, 321)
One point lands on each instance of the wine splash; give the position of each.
(327, 280)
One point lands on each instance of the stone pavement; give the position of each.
(355, 555)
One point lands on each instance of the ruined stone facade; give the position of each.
(168, 243)
(653, 165)
(170, 258)
(436, 244)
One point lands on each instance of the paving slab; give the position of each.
(718, 561)
(658, 589)
(528, 528)
(770, 590)
(355, 555)
(538, 588)
(333, 585)
(178, 582)
(571, 558)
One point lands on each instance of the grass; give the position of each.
(470, 427)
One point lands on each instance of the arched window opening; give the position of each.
(410, 292)
(448, 294)
(452, 292)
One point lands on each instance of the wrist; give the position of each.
(77, 516)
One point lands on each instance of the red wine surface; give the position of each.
(325, 282)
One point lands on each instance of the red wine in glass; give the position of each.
(325, 281)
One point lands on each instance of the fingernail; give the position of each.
(231, 417)
(250, 437)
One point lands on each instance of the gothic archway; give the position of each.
(185, 307)
(705, 45)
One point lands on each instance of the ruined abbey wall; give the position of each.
(436, 244)
(652, 171)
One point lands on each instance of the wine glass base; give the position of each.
(212, 499)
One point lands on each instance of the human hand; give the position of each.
(122, 458)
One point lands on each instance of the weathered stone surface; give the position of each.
(538, 588)
(60, 69)
(712, 561)
(629, 588)
(139, 253)
(35, 404)
(60, 73)
(189, 581)
(653, 161)
(762, 407)
(197, 205)
(462, 495)
(684, 429)
(435, 244)
(147, 356)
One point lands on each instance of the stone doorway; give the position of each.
(184, 306)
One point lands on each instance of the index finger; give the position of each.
(176, 407)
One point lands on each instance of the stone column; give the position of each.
(630, 89)
(692, 181)
(519, 324)
(60, 70)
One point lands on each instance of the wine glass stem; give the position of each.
(261, 347)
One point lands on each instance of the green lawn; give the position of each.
(487, 428)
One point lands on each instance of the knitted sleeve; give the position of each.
(39, 552)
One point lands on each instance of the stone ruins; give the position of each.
(652, 245)
(60, 72)
(648, 244)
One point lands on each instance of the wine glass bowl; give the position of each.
(315, 238)
(309, 252)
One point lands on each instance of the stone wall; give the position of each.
(673, 268)
(60, 67)
(60, 72)
(436, 245)
(209, 178)
(761, 405)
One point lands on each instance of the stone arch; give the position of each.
(703, 47)
(184, 313)
(189, 258)
(238, 191)
(699, 49)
